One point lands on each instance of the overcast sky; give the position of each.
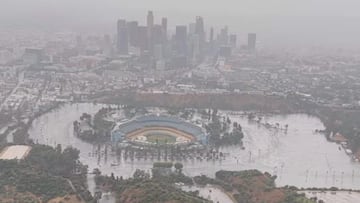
(316, 22)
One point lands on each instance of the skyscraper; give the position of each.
(195, 48)
(165, 45)
(164, 28)
(132, 31)
(157, 35)
(233, 40)
(106, 46)
(150, 19)
(192, 29)
(150, 25)
(211, 38)
(211, 48)
(224, 37)
(200, 39)
(142, 38)
(199, 26)
(122, 37)
(181, 40)
(252, 41)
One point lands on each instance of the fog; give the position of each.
(179, 101)
(328, 23)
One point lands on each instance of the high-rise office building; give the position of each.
(211, 50)
(132, 31)
(199, 25)
(211, 38)
(181, 40)
(150, 25)
(252, 41)
(157, 35)
(122, 37)
(106, 46)
(158, 51)
(200, 32)
(164, 28)
(224, 37)
(192, 28)
(233, 40)
(142, 38)
(150, 19)
(195, 48)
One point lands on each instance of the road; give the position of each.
(74, 189)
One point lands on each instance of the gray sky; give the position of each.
(333, 23)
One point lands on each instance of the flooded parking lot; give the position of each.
(335, 197)
(300, 157)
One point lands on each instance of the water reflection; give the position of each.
(298, 157)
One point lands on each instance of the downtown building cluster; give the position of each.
(186, 46)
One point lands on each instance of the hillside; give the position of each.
(44, 175)
(154, 191)
(253, 186)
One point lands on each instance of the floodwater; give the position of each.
(299, 157)
(335, 197)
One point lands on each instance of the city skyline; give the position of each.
(292, 25)
(189, 45)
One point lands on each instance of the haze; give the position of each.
(324, 23)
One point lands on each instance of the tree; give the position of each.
(178, 167)
(228, 120)
(141, 175)
(96, 171)
(214, 115)
(58, 148)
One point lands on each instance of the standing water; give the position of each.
(299, 157)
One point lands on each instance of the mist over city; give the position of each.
(134, 101)
(330, 24)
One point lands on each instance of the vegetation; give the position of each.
(101, 125)
(54, 161)
(220, 130)
(249, 186)
(204, 180)
(154, 191)
(96, 129)
(345, 122)
(163, 171)
(255, 187)
(143, 189)
(44, 174)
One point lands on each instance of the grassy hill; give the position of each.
(253, 186)
(154, 191)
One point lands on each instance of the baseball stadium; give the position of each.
(158, 130)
